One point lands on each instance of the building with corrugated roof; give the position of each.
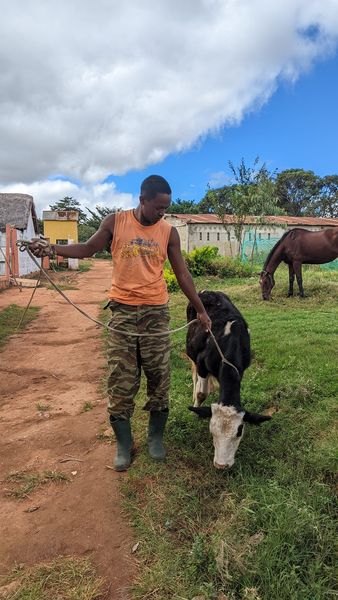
(18, 212)
(208, 229)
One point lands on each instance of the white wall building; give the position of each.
(208, 230)
(18, 210)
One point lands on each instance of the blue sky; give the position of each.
(296, 128)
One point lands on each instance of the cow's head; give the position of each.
(267, 282)
(227, 427)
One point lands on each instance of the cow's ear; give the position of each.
(255, 419)
(204, 412)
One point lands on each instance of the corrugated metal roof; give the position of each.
(15, 210)
(277, 220)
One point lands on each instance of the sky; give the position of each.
(94, 97)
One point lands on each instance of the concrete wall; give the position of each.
(196, 235)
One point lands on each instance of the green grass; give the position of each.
(263, 530)
(10, 318)
(22, 483)
(85, 265)
(65, 578)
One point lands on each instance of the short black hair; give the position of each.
(153, 185)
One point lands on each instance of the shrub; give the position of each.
(198, 261)
(170, 280)
(229, 267)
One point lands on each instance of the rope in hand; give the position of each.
(24, 246)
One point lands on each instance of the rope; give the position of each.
(23, 246)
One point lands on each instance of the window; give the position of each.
(218, 237)
(62, 242)
(228, 236)
(269, 235)
(200, 235)
(259, 236)
(208, 236)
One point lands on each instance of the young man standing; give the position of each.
(140, 241)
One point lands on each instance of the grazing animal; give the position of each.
(296, 247)
(227, 418)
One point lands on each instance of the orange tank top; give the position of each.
(138, 254)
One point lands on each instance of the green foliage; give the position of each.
(327, 206)
(206, 261)
(183, 207)
(85, 232)
(229, 267)
(10, 318)
(198, 260)
(69, 203)
(97, 215)
(297, 191)
(170, 280)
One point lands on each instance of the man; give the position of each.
(140, 241)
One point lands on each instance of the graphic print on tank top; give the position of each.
(139, 247)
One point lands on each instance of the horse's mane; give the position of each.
(275, 247)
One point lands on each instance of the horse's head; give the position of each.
(266, 282)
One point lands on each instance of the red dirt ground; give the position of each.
(58, 360)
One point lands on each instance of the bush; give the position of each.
(170, 280)
(198, 261)
(229, 267)
(207, 261)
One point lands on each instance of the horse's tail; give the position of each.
(274, 248)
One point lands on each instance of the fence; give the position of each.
(256, 251)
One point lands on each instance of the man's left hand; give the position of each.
(204, 319)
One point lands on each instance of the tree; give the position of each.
(183, 207)
(252, 194)
(99, 214)
(298, 192)
(327, 205)
(70, 203)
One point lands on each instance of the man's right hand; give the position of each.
(40, 247)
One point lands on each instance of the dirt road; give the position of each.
(47, 374)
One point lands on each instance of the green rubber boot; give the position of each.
(157, 422)
(124, 440)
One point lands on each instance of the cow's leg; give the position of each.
(291, 280)
(297, 266)
(202, 386)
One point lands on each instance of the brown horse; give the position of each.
(296, 247)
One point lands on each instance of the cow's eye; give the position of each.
(240, 430)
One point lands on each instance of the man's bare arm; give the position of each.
(184, 278)
(99, 241)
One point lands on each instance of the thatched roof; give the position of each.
(15, 210)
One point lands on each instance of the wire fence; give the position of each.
(256, 250)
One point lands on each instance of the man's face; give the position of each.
(153, 209)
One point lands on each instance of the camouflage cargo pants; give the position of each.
(127, 354)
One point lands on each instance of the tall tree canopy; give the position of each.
(70, 203)
(298, 192)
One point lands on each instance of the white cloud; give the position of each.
(93, 88)
(48, 192)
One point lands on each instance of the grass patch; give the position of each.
(42, 407)
(85, 265)
(10, 319)
(263, 530)
(87, 406)
(63, 579)
(23, 483)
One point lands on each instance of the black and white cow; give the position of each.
(227, 418)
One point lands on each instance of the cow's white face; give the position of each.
(226, 427)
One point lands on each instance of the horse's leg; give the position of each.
(297, 266)
(291, 280)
